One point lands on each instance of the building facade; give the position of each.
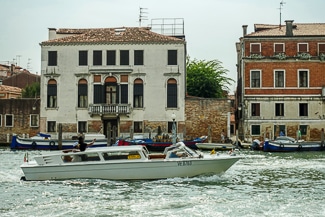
(112, 80)
(18, 116)
(281, 80)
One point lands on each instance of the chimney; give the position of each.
(244, 30)
(289, 27)
(52, 33)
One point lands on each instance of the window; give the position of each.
(255, 109)
(111, 58)
(321, 48)
(9, 120)
(124, 57)
(52, 58)
(82, 126)
(303, 78)
(138, 93)
(99, 94)
(278, 48)
(82, 93)
(278, 78)
(83, 58)
(51, 126)
(172, 93)
(137, 126)
(303, 109)
(124, 93)
(51, 94)
(111, 94)
(278, 129)
(279, 109)
(172, 57)
(170, 126)
(34, 120)
(255, 78)
(256, 129)
(255, 48)
(97, 58)
(303, 129)
(302, 47)
(138, 57)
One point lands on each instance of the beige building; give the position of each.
(112, 80)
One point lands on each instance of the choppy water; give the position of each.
(261, 184)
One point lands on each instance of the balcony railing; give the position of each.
(109, 109)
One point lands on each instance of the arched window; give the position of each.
(51, 94)
(111, 90)
(138, 93)
(172, 93)
(82, 93)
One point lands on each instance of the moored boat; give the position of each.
(215, 146)
(45, 142)
(289, 144)
(125, 163)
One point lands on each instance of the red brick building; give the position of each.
(281, 80)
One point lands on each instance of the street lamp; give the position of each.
(174, 129)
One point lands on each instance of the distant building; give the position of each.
(18, 116)
(281, 80)
(9, 92)
(112, 80)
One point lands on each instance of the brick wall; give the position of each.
(202, 113)
(21, 109)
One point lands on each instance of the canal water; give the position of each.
(261, 184)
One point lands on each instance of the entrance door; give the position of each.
(110, 130)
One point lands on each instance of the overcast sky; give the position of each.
(212, 27)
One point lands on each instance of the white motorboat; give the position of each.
(216, 146)
(125, 163)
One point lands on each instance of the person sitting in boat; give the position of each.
(82, 145)
(281, 133)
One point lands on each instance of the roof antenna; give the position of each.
(281, 6)
(142, 15)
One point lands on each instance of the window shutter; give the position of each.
(321, 48)
(302, 48)
(138, 89)
(138, 57)
(257, 109)
(255, 48)
(172, 95)
(83, 58)
(124, 93)
(52, 58)
(124, 57)
(172, 57)
(82, 90)
(97, 57)
(111, 57)
(278, 48)
(51, 89)
(99, 94)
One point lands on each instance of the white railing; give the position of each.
(109, 109)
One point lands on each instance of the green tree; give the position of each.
(31, 91)
(207, 78)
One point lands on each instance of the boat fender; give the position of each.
(34, 144)
(299, 147)
(52, 143)
(281, 145)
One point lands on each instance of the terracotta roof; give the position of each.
(5, 88)
(299, 29)
(112, 35)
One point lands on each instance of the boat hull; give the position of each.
(144, 170)
(49, 144)
(291, 147)
(216, 146)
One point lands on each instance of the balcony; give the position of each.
(102, 109)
